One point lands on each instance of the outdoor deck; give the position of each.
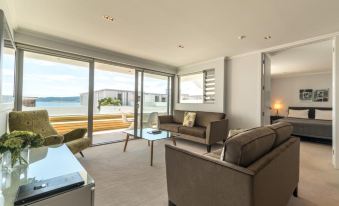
(101, 122)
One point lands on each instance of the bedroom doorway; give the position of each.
(298, 88)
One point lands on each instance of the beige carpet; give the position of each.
(127, 179)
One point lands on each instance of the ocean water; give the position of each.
(57, 104)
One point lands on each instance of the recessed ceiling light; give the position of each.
(108, 18)
(241, 37)
(268, 37)
(181, 46)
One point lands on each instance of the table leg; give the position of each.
(152, 153)
(148, 142)
(127, 138)
(174, 142)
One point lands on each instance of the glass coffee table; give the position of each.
(151, 137)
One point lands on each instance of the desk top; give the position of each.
(44, 163)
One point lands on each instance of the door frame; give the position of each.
(334, 37)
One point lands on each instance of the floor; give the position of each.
(127, 179)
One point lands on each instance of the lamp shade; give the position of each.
(277, 106)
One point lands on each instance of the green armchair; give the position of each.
(38, 122)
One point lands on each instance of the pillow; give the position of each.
(323, 114)
(247, 147)
(231, 133)
(298, 113)
(189, 119)
(283, 130)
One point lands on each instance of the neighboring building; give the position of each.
(126, 97)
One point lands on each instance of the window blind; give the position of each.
(209, 86)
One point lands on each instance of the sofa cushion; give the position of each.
(178, 116)
(193, 131)
(189, 119)
(172, 127)
(283, 131)
(247, 147)
(203, 119)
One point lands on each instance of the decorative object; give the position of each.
(321, 95)
(305, 94)
(277, 106)
(189, 119)
(15, 146)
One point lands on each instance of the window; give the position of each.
(57, 85)
(191, 88)
(209, 86)
(156, 99)
(7, 77)
(197, 88)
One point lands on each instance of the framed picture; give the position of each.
(321, 95)
(305, 94)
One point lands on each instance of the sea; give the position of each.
(58, 104)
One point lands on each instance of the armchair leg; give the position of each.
(82, 155)
(170, 203)
(295, 192)
(209, 147)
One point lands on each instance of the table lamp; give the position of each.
(277, 106)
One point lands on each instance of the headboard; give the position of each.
(311, 113)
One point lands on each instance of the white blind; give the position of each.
(209, 86)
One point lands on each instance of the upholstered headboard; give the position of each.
(311, 113)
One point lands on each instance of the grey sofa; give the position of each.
(261, 168)
(209, 127)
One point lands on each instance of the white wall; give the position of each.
(219, 66)
(243, 91)
(285, 90)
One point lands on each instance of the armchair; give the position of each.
(38, 122)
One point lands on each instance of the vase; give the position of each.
(11, 164)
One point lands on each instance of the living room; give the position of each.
(152, 103)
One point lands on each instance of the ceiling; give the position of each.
(311, 58)
(153, 29)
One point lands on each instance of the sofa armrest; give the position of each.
(194, 179)
(53, 139)
(75, 134)
(217, 131)
(165, 119)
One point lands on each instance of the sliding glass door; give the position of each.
(114, 101)
(57, 85)
(123, 98)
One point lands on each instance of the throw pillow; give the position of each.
(303, 113)
(323, 114)
(231, 133)
(189, 119)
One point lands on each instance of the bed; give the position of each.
(310, 127)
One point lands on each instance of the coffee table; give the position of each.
(144, 134)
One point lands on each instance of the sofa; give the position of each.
(209, 127)
(38, 122)
(259, 167)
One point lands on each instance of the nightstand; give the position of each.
(273, 118)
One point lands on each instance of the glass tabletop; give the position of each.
(44, 163)
(146, 134)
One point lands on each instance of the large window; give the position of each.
(56, 84)
(198, 87)
(7, 78)
(191, 88)
(113, 102)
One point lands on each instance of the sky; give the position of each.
(50, 79)
(43, 78)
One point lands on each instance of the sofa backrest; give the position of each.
(34, 121)
(283, 131)
(245, 148)
(202, 119)
(249, 146)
